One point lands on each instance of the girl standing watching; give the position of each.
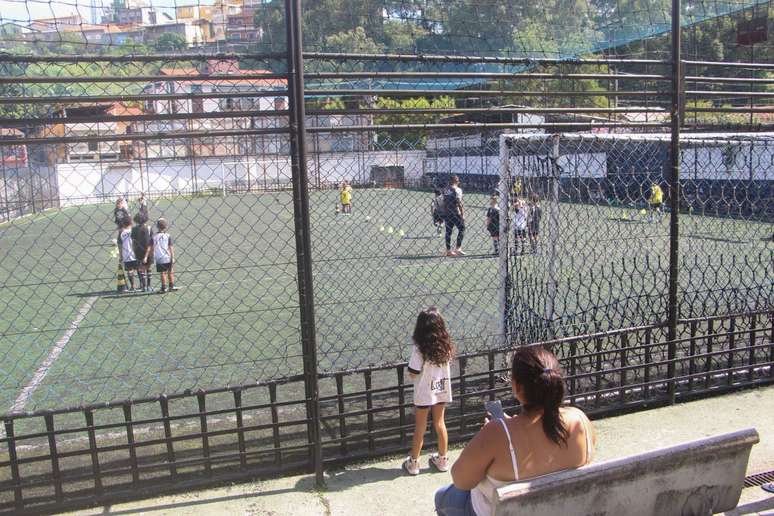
(429, 368)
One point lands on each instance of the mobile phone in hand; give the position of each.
(495, 408)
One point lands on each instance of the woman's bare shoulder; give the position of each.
(572, 414)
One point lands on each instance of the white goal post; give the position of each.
(513, 185)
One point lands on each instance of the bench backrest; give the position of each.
(696, 478)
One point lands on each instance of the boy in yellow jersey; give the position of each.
(345, 196)
(656, 200)
(517, 187)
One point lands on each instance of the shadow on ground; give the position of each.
(441, 256)
(194, 502)
(343, 479)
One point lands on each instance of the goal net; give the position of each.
(588, 234)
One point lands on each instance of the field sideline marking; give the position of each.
(29, 218)
(42, 371)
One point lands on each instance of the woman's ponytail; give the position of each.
(537, 372)
(553, 425)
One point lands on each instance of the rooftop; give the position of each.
(221, 73)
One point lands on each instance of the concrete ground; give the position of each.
(380, 487)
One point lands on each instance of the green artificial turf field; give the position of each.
(235, 318)
(611, 267)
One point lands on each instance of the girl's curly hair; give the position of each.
(432, 338)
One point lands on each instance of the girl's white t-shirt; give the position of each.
(161, 252)
(520, 219)
(432, 383)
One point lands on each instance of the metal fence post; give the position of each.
(674, 197)
(32, 188)
(19, 194)
(505, 201)
(300, 177)
(7, 201)
(554, 223)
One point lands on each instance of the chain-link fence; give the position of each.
(27, 190)
(202, 144)
(589, 236)
(301, 223)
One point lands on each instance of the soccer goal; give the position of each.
(586, 246)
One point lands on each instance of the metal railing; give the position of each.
(84, 455)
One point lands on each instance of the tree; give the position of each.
(10, 31)
(12, 90)
(323, 18)
(269, 19)
(400, 35)
(70, 43)
(353, 42)
(408, 138)
(170, 42)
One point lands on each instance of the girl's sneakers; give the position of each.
(440, 463)
(411, 466)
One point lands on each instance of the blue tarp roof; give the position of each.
(613, 35)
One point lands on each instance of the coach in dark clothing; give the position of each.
(120, 212)
(454, 216)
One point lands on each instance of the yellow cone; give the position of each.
(120, 280)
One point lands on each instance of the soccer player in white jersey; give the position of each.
(520, 217)
(126, 256)
(164, 255)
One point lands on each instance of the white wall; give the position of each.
(89, 183)
(356, 166)
(731, 161)
(463, 165)
(86, 183)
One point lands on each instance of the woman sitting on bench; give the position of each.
(544, 438)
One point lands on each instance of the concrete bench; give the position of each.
(696, 478)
